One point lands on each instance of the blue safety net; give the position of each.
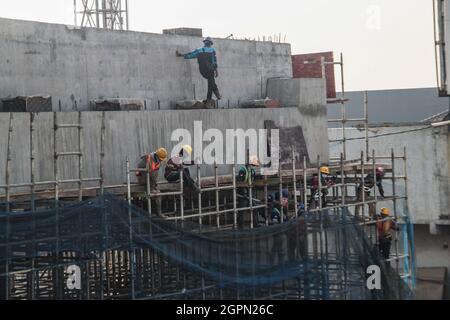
(120, 252)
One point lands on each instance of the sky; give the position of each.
(387, 44)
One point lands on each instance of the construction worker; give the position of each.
(385, 226)
(369, 184)
(278, 209)
(153, 162)
(175, 166)
(326, 182)
(246, 174)
(207, 61)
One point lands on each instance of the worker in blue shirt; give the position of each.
(207, 61)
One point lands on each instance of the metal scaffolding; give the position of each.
(177, 244)
(106, 14)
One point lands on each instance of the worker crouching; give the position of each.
(151, 162)
(176, 165)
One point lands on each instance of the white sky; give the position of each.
(387, 44)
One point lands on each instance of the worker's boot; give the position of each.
(217, 94)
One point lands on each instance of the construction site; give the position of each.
(82, 219)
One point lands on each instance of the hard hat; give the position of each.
(208, 39)
(188, 149)
(162, 154)
(384, 211)
(325, 170)
(380, 171)
(254, 161)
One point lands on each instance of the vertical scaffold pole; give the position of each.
(216, 184)
(366, 122)
(102, 154)
(181, 195)
(363, 192)
(199, 182)
(80, 156)
(8, 205)
(375, 189)
(128, 182)
(33, 207)
(235, 213)
(294, 181)
(343, 111)
(132, 249)
(280, 173)
(149, 196)
(394, 194)
(58, 291)
(319, 175)
(305, 184)
(266, 201)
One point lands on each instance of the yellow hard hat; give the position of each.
(162, 154)
(188, 149)
(325, 170)
(385, 211)
(254, 161)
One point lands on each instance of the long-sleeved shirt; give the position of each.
(369, 183)
(204, 55)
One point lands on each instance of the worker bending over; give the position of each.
(207, 61)
(369, 184)
(153, 162)
(176, 165)
(385, 226)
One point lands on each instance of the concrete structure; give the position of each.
(428, 163)
(388, 106)
(428, 158)
(442, 39)
(132, 134)
(76, 66)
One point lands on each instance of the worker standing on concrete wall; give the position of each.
(207, 61)
(369, 184)
(153, 162)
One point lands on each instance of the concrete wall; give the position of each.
(427, 165)
(75, 66)
(432, 251)
(131, 134)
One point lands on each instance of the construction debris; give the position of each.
(194, 104)
(37, 103)
(118, 105)
(261, 103)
